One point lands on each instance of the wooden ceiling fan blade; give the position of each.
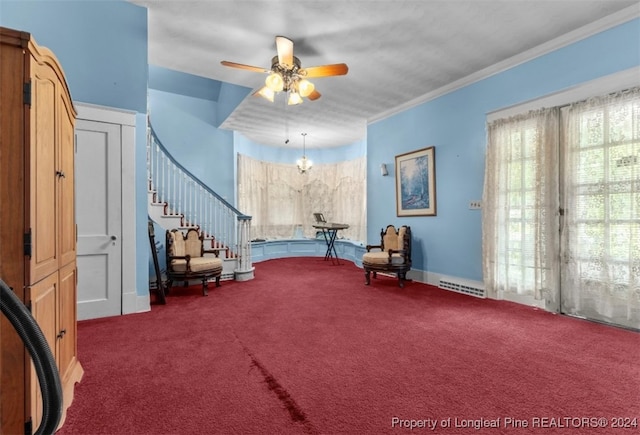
(314, 95)
(284, 46)
(243, 66)
(336, 69)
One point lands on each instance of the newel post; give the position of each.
(245, 269)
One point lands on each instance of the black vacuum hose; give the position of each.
(43, 361)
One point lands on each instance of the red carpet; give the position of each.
(306, 347)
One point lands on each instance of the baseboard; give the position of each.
(143, 303)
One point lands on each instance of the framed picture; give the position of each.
(416, 183)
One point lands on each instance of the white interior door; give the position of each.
(99, 219)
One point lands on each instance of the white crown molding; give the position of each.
(608, 22)
(618, 81)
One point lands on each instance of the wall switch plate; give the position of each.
(475, 205)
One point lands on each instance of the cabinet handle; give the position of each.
(61, 333)
(60, 174)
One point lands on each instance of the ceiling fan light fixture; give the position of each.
(305, 87)
(294, 99)
(287, 75)
(274, 82)
(267, 93)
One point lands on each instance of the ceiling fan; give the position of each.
(287, 75)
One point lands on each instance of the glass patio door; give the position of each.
(600, 200)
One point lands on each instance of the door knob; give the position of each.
(114, 237)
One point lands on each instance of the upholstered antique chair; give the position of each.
(393, 255)
(186, 259)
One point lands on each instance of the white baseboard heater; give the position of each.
(464, 288)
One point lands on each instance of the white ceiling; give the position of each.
(399, 52)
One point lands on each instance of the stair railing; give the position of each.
(185, 196)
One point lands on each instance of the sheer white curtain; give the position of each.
(520, 240)
(601, 195)
(282, 201)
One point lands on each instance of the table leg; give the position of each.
(332, 239)
(327, 254)
(330, 235)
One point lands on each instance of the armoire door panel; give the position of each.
(67, 319)
(66, 212)
(43, 180)
(43, 307)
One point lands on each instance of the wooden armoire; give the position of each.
(37, 226)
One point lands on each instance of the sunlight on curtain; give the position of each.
(281, 201)
(520, 238)
(601, 233)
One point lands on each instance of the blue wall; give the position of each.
(102, 46)
(184, 113)
(289, 155)
(181, 124)
(451, 242)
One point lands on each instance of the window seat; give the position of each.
(347, 250)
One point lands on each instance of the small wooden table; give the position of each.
(330, 231)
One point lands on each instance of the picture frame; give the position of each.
(416, 183)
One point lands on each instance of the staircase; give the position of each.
(177, 199)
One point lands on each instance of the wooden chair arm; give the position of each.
(181, 257)
(402, 253)
(370, 247)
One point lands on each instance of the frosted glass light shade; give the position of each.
(267, 93)
(274, 82)
(305, 87)
(294, 98)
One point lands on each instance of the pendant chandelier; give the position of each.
(304, 164)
